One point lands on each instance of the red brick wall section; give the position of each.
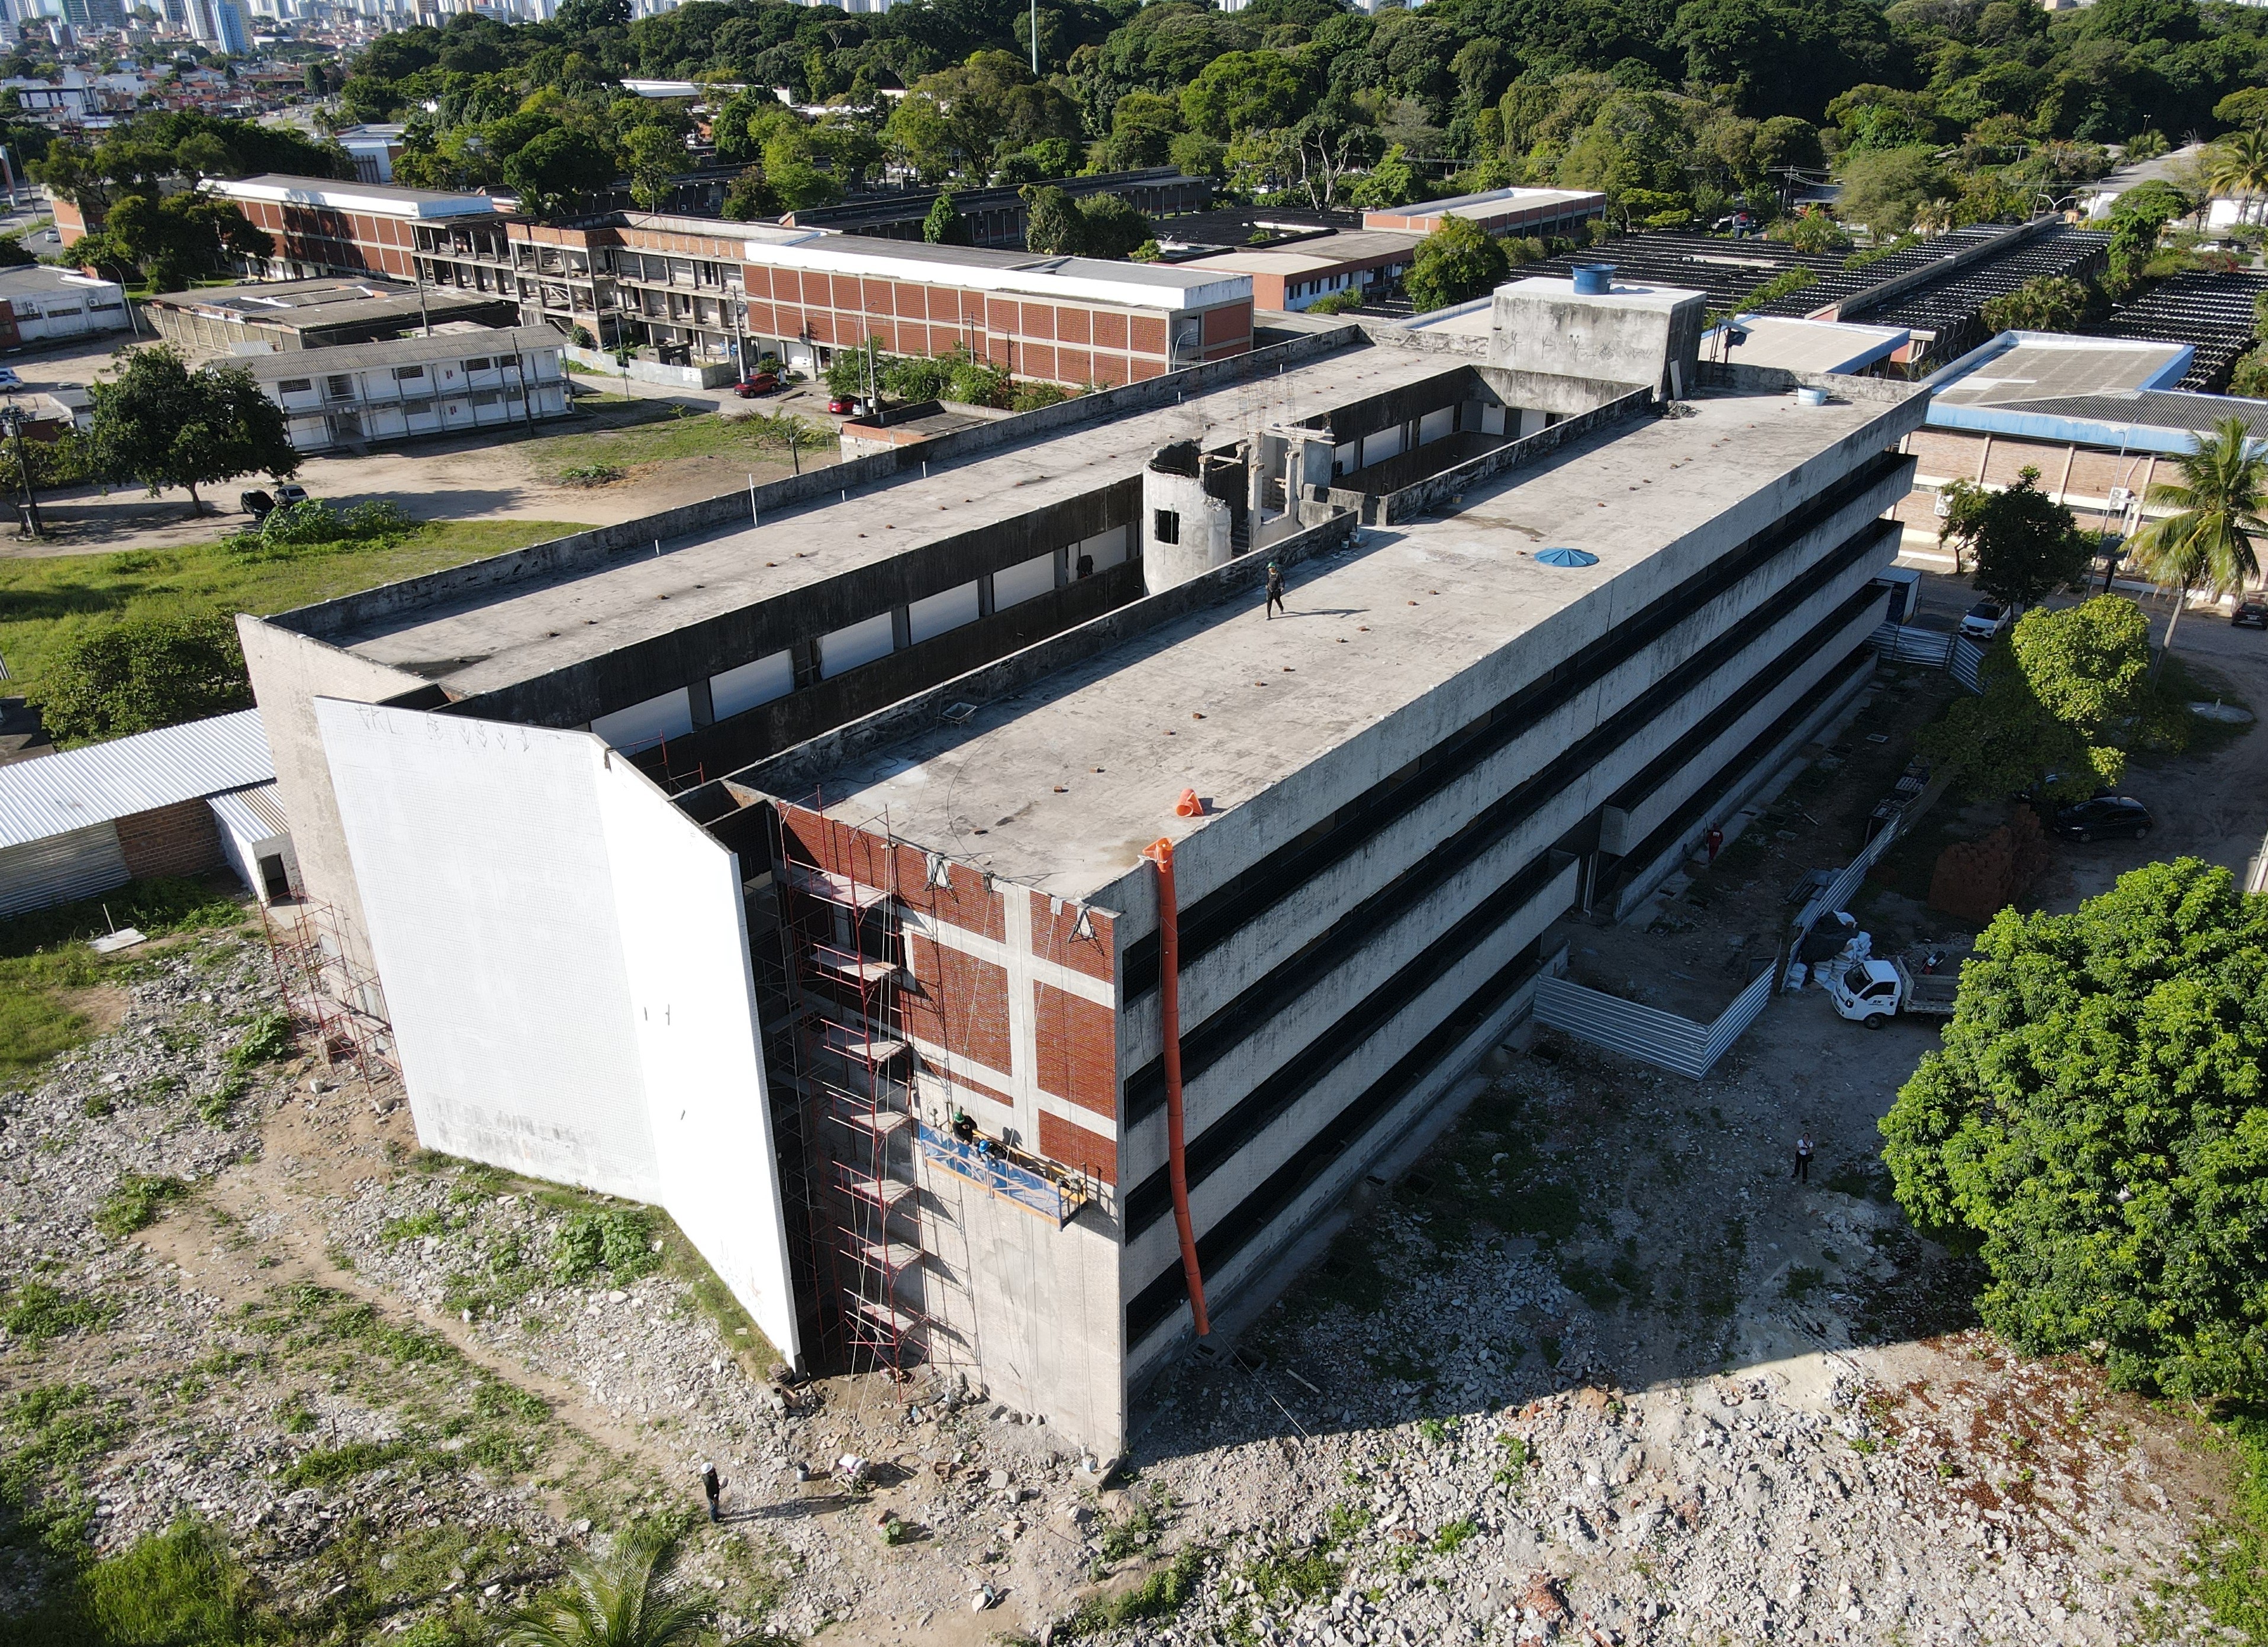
(957, 1002)
(1055, 937)
(1075, 1146)
(1077, 1050)
(180, 840)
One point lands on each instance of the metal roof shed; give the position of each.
(76, 823)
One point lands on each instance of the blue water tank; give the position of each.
(1592, 280)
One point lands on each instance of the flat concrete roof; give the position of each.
(1368, 631)
(1135, 286)
(500, 636)
(1815, 346)
(2051, 365)
(1350, 248)
(386, 200)
(402, 351)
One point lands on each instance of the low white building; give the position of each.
(43, 303)
(443, 385)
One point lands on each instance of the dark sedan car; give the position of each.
(2251, 614)
(2106, 817)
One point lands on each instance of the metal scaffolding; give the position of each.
(843, 950)
(333, 1000)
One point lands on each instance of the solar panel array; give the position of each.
(2214, 312)
(1729, 271)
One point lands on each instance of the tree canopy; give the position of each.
(165, 425)
(2023, 544)
(2095, 1128)
(148, 669)
(2061, 701)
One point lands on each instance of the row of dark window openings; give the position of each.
(1281, 1190)
(1228, 1235)
(1212, 919)
(1311, 969)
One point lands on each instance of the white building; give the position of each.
(42, 304)
(443, 385)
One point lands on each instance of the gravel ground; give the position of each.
(1594, 1370)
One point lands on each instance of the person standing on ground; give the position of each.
(1803, 1157)
(1716, 844)
(713, 1488)
(1275, 589)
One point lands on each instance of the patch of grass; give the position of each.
(136, 1203)
(1139, 1530)
(674, 435)
(592, 474)
(1453, 1534)
(2230, 1560)
(49, 599)
(39, 1311)
(179, 1588)
(52, 1430)
(44, 959)
(1515, 1460)
(1802, 1281)
(1159, 1596)
(326, 1467)
(413, 1227)
(1290, 1578)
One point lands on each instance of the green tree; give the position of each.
(550, 170)
(165, 425)
(2024, 543)
(656, 155)
(945, 225)
(1887, 188)
(1244, 91)
(632, 1598)
(2212, 539)
(1110, 227)
(148, 669)
(2055, 700)
(2095, 1127)
(2052, 303)
(2237, 165)
(1457, 261)
(1052, 221)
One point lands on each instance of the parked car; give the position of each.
(256, 503)
(2251, 614)
(841, 405)
(290, 493)
(1876, 990)
(2106, 816)
(8, 381)
(757, 383)
(1987, 621)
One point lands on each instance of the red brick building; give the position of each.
(325, 227)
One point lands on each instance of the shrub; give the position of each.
(143, 671)
(326, 1467)
(619, 1241)
(591, 474)
(318, 527)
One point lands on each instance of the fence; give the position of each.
(1646, 1032)
(1957, 654)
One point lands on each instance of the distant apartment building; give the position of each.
(450, 384)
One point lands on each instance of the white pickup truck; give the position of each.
(1877, 989)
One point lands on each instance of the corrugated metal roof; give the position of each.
(2157, 409)
(252, 814)
(78, 787)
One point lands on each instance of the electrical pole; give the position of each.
(32, 524)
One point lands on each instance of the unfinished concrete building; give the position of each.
(936, 882)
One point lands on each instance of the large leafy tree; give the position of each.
(2095, 1127)
(165, 425)
(2213, 537)
(2024, 543)
(148, 669)
(1457, 261)
(2060, 700)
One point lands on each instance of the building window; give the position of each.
(478, 363)
(1165, 527)
(339, 388)
(294, 385)
(403, 374)
(416, 408)
(486, 397)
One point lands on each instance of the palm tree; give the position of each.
(2238, 165)
(631, 1599)
(2211, 539)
